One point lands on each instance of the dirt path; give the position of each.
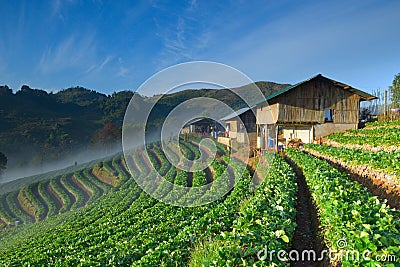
(306, 236)
(71, 196)
(6, 207)
(161, 161)
(145, 160)
(80, 187)
(189, 179)
(35, 192)
(55, 197)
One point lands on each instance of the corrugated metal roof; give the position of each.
(356, 91)
(236, 113)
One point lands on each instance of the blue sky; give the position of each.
(115, 45)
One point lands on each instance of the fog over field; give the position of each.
(78, 157)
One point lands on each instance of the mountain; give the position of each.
(38, 128)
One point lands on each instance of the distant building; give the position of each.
(203, 126)
(241, 126)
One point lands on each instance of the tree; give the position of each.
(107, 137)
(3, 163)
(395, 91)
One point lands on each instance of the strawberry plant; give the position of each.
(347, 211)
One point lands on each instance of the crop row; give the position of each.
(43, 190)
(273, 201)
(4, 213)
(36, 201)
(384, 124)
(382, 161)
(128, 177)
(384, 138)
(15, 207)
(67, 198)
(26, 204)
(118, 164)
(79, 195)
(165, 164)
(103, 187)
(197, 191)
(350, 217)
(109, 168)
(165, 185)
(108, 233)
(190, 154)
(216, 217)
(95, 192)
(39, 207)
(220, 147)
(141, 168)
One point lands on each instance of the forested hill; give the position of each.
(37, 127)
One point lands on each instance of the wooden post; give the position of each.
(312, 133)
(385, 105)
(276, 137)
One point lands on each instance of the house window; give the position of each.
(329, 115)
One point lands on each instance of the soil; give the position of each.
(307, 235)
(189, 179)
(70, 195)
(7, 208)
(35, 192)
(57, 199)
(83, 187)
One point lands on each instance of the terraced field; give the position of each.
(49, 197)
(100, 217)
(374, 137)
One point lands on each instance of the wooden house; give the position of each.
(308, 110)
(203, 127)
(240, 126)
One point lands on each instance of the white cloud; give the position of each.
(71, 52)
(122, 72)
(183, 38)
(95, 68)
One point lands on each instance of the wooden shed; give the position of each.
(308, 110)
